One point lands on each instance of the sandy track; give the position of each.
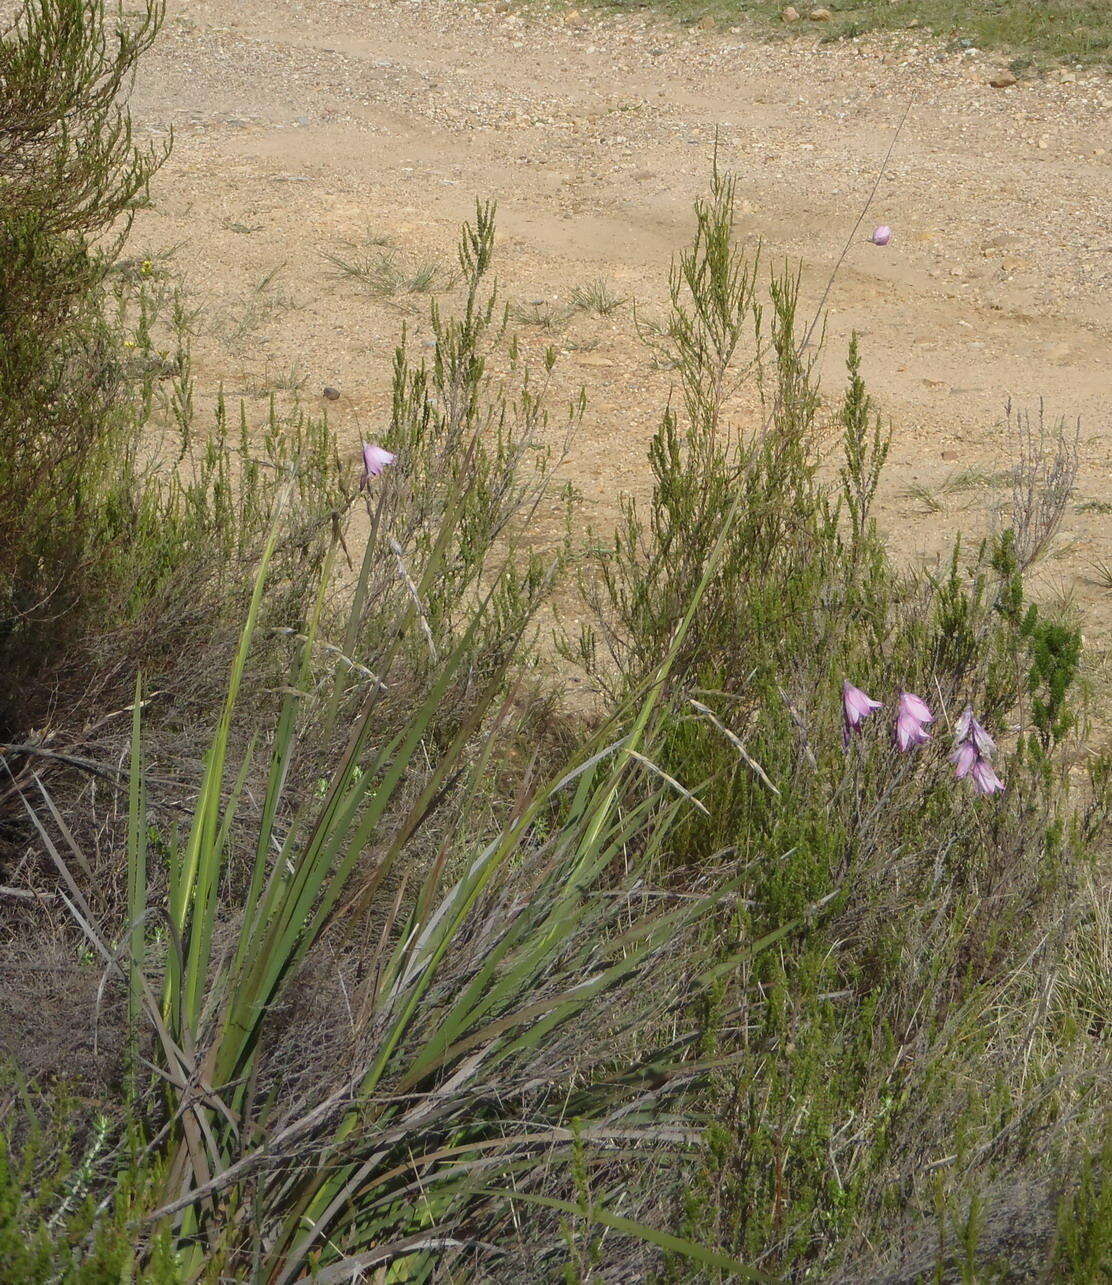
(298, 124)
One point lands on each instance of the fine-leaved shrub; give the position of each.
(923, 921)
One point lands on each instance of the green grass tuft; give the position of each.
(1064, 31)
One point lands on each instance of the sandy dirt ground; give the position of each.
(299, 126)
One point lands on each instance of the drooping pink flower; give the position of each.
(916, 707)
(964, 759)
(984, 777)
(972, 755)
(882, 235)
(856, 707)
(912, 718)
(375, 459)
(968, 729)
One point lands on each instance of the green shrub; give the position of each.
(68, 174)
(1084, 1248)
(911, 907)
(126, 537)
(52, 1226)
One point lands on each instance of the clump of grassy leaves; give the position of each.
(378, 270)
(499, 979)
(597, 297)
(489, 974)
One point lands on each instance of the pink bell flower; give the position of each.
(912, 718)
(964, 759)
(375, 459)
(856, 707)
(882, 235)
(985, 779)
(973, 748)
(968, 729)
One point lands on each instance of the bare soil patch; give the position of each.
(336, 127)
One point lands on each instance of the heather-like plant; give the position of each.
(68, 174)
(894, 999)
(129, 533)
(113, 550)
(51, 1228)
(464, 465)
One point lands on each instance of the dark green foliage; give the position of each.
(68, 166)
(1055, 655)
(115, 551)
(68, 172)
(700, 468)
(1084, 1248)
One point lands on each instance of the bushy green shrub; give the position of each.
(128, 533)
(54, 1224)
(1084, 1247)
(68, 174)
(916, 913)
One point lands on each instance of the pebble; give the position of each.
(574, 19)
(1003, 79)
(790, 14)
(330, 394)
(819, 15)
